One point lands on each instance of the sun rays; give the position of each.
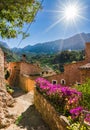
(68, 13)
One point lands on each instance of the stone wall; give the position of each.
(26, 83)
(56, 77)
(48, 113)
(17, 70)
(87, 51)
(85, 74)
(27, 68)
(14, 69)
(71, 74)
(5, 99)
(2, 84)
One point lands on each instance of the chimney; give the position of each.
(23, 58)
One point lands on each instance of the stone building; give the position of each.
(22, 69)
(73, 73)
(87, 51)
(24, 74)
(84, 72)
(47, 71)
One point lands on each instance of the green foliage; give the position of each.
(7, 74)
(10, 56)
(57, 61)
(18, 119)
(61, 67)
(9, 89)
(75, 126)
(69, 56)
(14, 14)
(85, 89)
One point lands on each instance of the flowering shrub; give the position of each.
(67, 100)
(76, 112)
(85, 102)
(87, 119)
(85, 89)
(63, 98)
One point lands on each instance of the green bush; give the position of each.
(85, 89)
(9, 89)
(18, 119)
(76, 125)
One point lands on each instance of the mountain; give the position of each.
(76, 42)
(10, 56)
(4, 44)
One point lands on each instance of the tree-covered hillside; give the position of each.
(56, 61)
(9, 55)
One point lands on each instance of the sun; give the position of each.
(71, 12)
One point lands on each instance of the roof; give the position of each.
(47, 68)
(86, 66)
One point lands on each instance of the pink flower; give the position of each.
(76, 112)
(87, 119)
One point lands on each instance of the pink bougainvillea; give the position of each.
(64, 98)
(67, 96)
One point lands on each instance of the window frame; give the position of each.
(53, 81)
(63, 83)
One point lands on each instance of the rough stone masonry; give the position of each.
(2, 85)
(5, 99)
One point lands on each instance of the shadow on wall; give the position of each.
(18, 92)
(32, 120)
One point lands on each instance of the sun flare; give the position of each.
(71, 12)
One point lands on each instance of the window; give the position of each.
(15, 67)
(54, 81)
(42, 72)
(63, 82)
(46, 72)
(78, 83)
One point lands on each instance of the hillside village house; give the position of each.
(74, 73)
(23, 74)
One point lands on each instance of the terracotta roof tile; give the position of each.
(86, 66)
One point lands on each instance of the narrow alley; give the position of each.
(24, 107)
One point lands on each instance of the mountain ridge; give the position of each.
(76, 42)
(4, 44)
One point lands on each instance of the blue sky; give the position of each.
(39, 31)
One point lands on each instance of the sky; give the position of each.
(47, 28)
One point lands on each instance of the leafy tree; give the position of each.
(61, 67)
(14, 14)
(68, 57)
